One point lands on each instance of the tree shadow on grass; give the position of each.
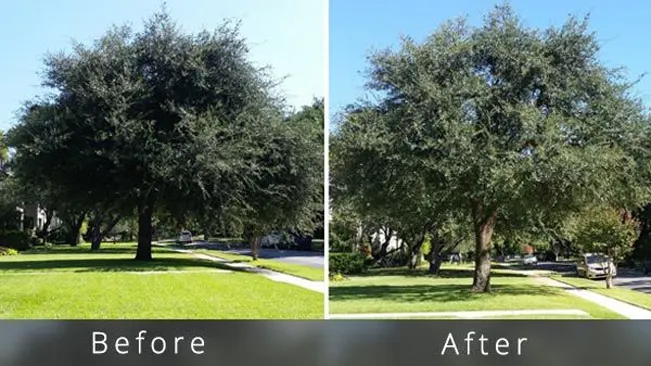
(443, 273)
(106, 248)
(636, 283)
(435, 293)
(643, 289)
(115, 265)
(73, 250)
(571, 275)
(518, 267)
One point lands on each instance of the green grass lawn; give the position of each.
(623, 294)
(73, 283)
(310, 273)
(400, 290)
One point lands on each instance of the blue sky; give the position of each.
(285, 34)
(359, 26)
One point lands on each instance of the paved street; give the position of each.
(634, 281)
(560, 267)
(625, 278)
(311, 259)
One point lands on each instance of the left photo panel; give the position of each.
(162, 160)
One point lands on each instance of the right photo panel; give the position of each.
(489, 160)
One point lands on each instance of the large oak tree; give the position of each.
(163, 121)
(501, 123)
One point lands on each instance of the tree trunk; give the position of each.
(435, 264)
(74, 234)
(414, 256)
(145, 214)
(96, 236)
(484, 224)
(111, 226)
(95, 232)
(414, 260)
(556, 248)
(255, 247)
(384, 247)
(95, 243)
(609, 270)
(72, 238)
(435, 259)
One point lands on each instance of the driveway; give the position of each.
(310, 259)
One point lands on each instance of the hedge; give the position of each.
(18, 240)
(347, 263)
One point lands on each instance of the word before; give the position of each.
(157, 345)
(501, 346)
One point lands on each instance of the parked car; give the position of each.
(595, 265)
(272, 240)
(529, 260)
(185, 237)
(455, 258)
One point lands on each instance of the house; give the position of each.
(34, 216)
(380, 237)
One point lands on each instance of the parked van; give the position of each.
(595, 265)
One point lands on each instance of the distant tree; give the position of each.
(642, 246)
(607, 231)
(73, 220)
(101, 223)
(289, 194)
(9, 204)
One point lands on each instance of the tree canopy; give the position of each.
(163, 121)
(505, 125)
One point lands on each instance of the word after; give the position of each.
(142, 344)
(501, 346)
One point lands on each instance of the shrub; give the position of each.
(347, 263)
(426, 248)
(7, 251)
(337, 244)
(397, 258)
(18, 240)
(35, 241)
(337, 277)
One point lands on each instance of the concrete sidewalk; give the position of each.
(317, 286)
(462, 314)
(619, 307)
